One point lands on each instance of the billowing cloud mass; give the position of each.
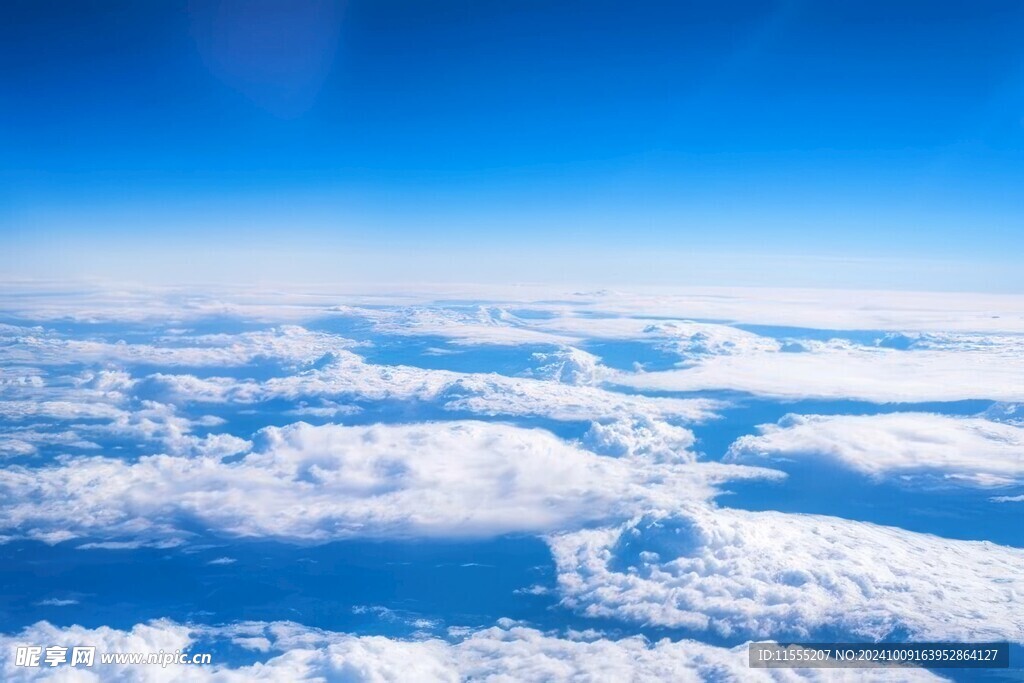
(296, 654)
(771, 574)
(970, 451)
(306, 483)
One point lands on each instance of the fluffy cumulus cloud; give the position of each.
(654, 439)
(290, 652)
(970, 451)
(769, 574)
(569, 365)
(306, 483)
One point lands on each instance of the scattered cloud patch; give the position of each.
(968, 451)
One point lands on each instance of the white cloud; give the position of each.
(57, 602)
(101, 406)
(298, 654)
(324, 408)
(696, 340)
(178, 388)
(287, 343)
(26, 440)
(497, 395)
(13, 380)
(961, 450)
(60, 410)
(110, 414)
(98, 406)
(349, 376)
(16, 447)
(641, 437)
(463, 325)
(687, 338)
(306, 483)
(569, 365)
(849, 371)
(770, 574)
(152, 637)
(112, 384)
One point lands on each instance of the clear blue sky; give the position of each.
(855, 143)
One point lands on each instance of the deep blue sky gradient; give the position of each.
(638, 140)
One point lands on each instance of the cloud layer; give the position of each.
(624, 504)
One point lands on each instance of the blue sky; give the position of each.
(796, 143)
